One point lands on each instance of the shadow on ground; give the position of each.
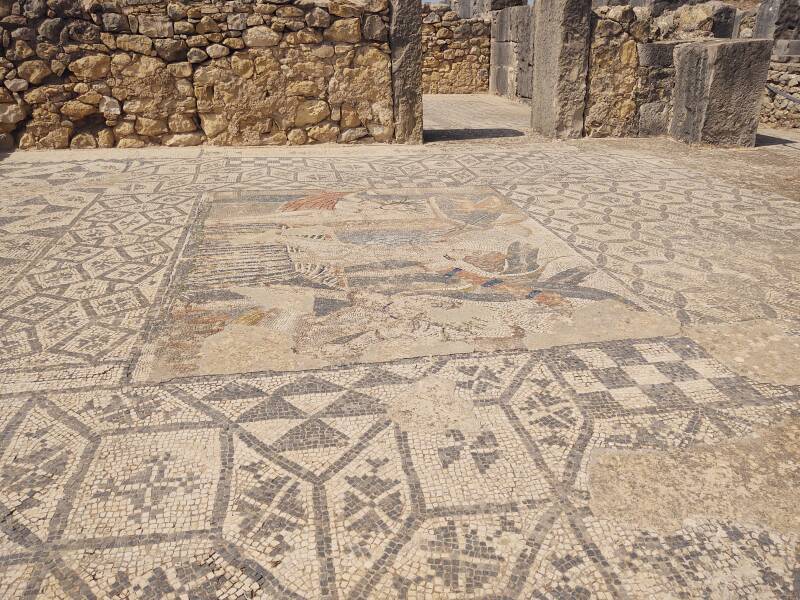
(771, 140)
(444, 135)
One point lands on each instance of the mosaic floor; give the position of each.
(457, 371)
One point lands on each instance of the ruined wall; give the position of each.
(455, 52)
(511, 70)
(695, 21)
(631, 68)
(621, 86)
(777, 110)
(128, 73)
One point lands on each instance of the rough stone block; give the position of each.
(503, 54)
(718, 89)
(405, 41)
(561, 51)
(657, 54)
(778, 19)
(786, 48)
(463, 8)
(511, 24)
(498, 81)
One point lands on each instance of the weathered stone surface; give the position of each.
(261, 37)
(173, 73)
(171, 50)
(318, 17)
(11, 113)
(613, 78)
(778, 19)
(77, 110)
(512, 52)
(34, 71)
(196, 55)
(456, 53)
(718, 88)
(183, 139)
(778, 110)
(90, 68)
(561, 50)
(135, 43)
(83, 140)
(406, 47)
(657, 54)
(311, 112)
(155, 26)
(217, 51)
(375, 29)
(344, 30)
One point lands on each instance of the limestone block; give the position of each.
(512, 24)
(183, 139)
(375, 29)
(718, 89)
(155, 26)
(76, 110)
(499, 80)
(135, 43)
(109, 107)
(311, 112)
(83, 140)
(344, 30)
(34, 71)
(261, 37)
(778, 19)
(92, 67)
(318, 17)
(326, 132)
(11, 113)
(115, 23)
(561, 50)
(405, 41)
(657, 54)
(217, 51)
(196, 55)
(171, 50)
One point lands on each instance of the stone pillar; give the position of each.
(405, 40)
(463, 8)
(512, 56)
(561, 53)
(718, 89)
(778, 19)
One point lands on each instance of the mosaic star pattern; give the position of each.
(311, 485)
(232, 376)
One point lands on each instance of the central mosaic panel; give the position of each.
(300, 280)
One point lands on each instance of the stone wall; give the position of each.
(693, 21)
(622, 85)
(128, 73)
(511, 71)
(455, 52)
(777, 110)
(632, 76)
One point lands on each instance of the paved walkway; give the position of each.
(463, 370)
(451, 117)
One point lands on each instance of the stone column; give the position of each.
(561, 53)
(405, 40)
(718, 89)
